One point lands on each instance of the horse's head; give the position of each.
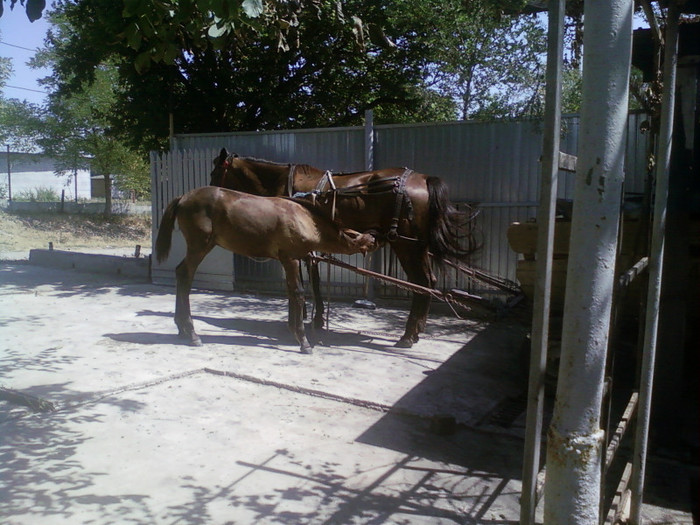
(363, 242)
(249, 175)
(223, 173)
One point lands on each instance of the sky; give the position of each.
(19, 39)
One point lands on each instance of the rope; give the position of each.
(411, 287)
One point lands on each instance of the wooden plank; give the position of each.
(526, 274)
(630, 275)
(619, 508)
(567, 162)
(616, 438)
(522, 237)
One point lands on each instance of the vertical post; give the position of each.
(75, 183)
(369, 140)
(575, 439)
(108, 195)
(656, 257)
(171, 130)
(375, 258)
(9, 176)
(545, 242)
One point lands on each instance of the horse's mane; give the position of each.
(275, 164)
(265, 161)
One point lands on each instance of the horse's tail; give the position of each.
(447, 225)
(165, 231)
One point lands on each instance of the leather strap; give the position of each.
(400, 185)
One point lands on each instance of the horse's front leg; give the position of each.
(416, 264)
(295, 293)
(315, 279)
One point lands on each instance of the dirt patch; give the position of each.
(22, 232)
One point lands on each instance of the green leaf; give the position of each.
(34, 9)
(252, 8)
(131, 8)
(142, 62)
(133, 36)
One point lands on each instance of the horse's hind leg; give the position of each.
(315, 279)
(416, 264)
(295, 293)
(184, 274)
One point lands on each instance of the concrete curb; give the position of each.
(139, 268)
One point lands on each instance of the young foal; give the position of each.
(254, 226)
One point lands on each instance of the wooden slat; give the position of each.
(619, 506)
(616, 438)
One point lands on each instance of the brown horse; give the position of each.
(410, 210)
(254, 226)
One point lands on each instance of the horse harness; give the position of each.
(398, 187)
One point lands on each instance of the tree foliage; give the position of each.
(21, 124)
(223, 65)
(490, 62)
(19, 120)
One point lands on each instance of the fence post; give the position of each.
(369, 140)
(375, 258)
(9, 176)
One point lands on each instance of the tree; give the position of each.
(21, 124)
(19, 120)
(78, 135)
(491, 63)
(324, 77)
(314, 63)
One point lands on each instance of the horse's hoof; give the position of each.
(404, 342)
(306, 349)
(190, 339)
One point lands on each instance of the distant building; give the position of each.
(32, 171)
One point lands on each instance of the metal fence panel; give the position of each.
(492, 164)
(336, 149)
(174, 174)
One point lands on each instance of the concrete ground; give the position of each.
(108, 418)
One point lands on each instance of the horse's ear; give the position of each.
(223, 155)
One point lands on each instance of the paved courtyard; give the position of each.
(115, 421)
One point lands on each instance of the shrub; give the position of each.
(39, 194)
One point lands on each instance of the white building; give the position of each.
(29, 172)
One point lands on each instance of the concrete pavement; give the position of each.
(246, 429)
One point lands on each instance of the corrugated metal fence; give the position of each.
(494, 164)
